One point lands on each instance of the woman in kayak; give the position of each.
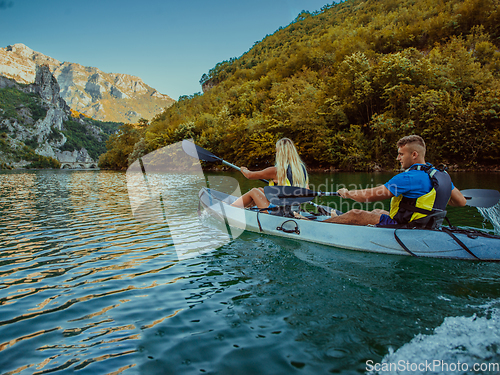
(289, 170)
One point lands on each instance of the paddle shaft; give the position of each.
(230, 165)
(311, 194)
(327, 194)
(212, 156)
(474, 197)
(237, 168)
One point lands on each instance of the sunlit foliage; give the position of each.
(345, 83)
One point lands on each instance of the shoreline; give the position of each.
(486, 169)
(50, 169)
(454, 168)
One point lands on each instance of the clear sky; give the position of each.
(169, 44)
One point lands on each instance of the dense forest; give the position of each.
(345, 83)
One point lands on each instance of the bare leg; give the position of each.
(299, 216)
(253, 197)
(244, 201)
(381, 212)
(357, 217)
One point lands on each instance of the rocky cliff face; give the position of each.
(40, 124)
(103, 96)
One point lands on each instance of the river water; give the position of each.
(86, 287)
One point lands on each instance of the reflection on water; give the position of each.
(72, 257)
(172, 198)
(86, 286)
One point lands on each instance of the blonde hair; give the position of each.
(287, 155)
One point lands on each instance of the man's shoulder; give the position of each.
(415, 171)
(409, 174)
(397, 180)
(408, 182)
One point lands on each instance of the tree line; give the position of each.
(345, 83)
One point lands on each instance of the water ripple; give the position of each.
(73, 253)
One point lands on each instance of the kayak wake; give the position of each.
(492, 214)
(461, 344)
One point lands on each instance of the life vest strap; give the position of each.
(409, 207)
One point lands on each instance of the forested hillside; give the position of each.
(345, 83)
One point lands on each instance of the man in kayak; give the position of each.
(418, 194)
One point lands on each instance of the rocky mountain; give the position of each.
(102, 96)
(37, 128)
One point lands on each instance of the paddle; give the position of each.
(475, 197)
(285, 195)
(481, 197)
(200, 153)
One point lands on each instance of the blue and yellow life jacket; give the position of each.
(419, 211)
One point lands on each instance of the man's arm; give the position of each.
(378, 193)
(457, 198)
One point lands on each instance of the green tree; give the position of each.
(120, 146)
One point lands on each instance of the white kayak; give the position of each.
(440, 243)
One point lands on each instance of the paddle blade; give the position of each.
(287, 195)
(198, 152)
(481, 197)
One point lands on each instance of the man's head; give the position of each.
(411, 150)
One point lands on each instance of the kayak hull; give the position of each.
(418, 242)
